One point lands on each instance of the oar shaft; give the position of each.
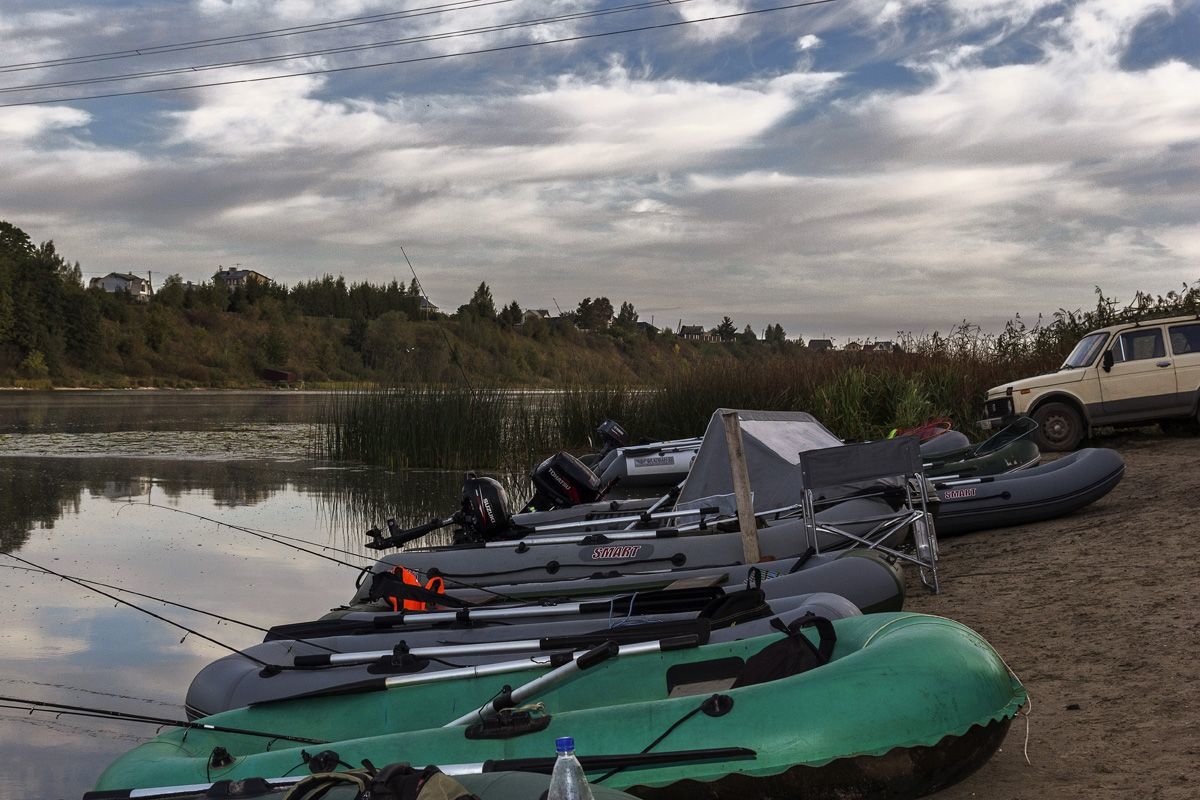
(572, 669)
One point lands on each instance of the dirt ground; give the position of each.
(1098, 613)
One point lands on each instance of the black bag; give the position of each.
(791, 655)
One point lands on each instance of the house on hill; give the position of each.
(234, 278)
(135, 286)
(881, 347)
(426, 308)
(820, 345)
(695, 333)
(532, 314)
(854, 347)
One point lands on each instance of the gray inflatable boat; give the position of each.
(342, 663)
(570, 556)
(1029, 495)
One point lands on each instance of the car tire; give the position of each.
(1060, 427)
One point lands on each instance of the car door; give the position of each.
(1141, 383)
(1185, 352)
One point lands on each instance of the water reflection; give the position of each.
(36, 492)
(126, 488)
(111, 411)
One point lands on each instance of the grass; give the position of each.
(856, 395)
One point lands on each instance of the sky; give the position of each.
(852, 169)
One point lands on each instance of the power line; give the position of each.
(431, 37)
(426, 58)
(218, 41)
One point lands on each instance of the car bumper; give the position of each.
(998, 413)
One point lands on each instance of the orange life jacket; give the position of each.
(434, 584)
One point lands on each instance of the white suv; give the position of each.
(1133, 373)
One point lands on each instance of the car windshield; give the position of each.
(1085, 352)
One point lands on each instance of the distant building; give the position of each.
(135, 286)
(881, 347)
(234, 278)
(426, 308)
(646, 328)
(820, 345)
(853, 347)
(695, 333)
(535, 313)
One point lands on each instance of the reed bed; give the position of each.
(856, 395)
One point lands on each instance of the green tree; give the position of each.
(275, 347)
(511, 315)
(627, 318)
(726, 331)
(170, 294)
(481, 304)
(594, 314)
(747, 336)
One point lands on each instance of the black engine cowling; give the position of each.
(486, 513)
(562, 481)
(612, 435)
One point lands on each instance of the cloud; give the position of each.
(832, 171)
(32, 122)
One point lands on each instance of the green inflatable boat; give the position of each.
(893, 704)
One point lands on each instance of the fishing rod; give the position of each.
(128, 716)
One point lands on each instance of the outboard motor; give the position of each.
(612, 435)
(485, 511)
(562, 481)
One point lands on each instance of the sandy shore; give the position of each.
(1098, 613)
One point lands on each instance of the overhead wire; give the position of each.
(423, 59)
(350, 48)
(220, 41)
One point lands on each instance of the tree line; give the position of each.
(53, 329)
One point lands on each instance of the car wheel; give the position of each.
(1060, 427)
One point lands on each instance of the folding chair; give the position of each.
(875, 462)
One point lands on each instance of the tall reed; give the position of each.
(857, 395)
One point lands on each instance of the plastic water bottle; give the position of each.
(568, 782)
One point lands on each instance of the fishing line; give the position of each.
(271, 537)
(454, 356)
(160, 617)
(91, 582)
(276, 537)
(125, 716)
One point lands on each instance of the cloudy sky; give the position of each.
(853, 168)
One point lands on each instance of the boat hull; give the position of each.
(895, 681)
(1031, 495)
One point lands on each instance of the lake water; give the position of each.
(147, 490)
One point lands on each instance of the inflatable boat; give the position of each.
(336, 662)
(896, 705)
(1007, 450)
(1029, 495)
(580, 555)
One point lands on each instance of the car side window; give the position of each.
(1185, 338)
(1138, 345)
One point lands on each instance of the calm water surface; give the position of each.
(104, 486)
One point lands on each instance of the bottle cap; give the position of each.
(564, 743)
